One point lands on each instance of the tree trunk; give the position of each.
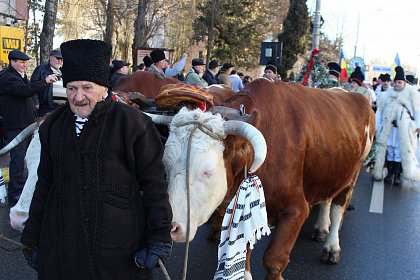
(48, 27)
(109, 30)
(139, 38)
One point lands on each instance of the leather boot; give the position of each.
(390, 175)
(397, 172)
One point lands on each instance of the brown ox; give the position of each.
(148, 84)
(316, 141)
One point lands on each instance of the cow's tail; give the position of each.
(19, 138)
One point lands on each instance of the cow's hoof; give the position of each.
(330, 257)
(319, 235)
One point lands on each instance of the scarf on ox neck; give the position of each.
(244, 223)
(3, 192)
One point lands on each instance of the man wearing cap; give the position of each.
(18, 111)
(101, 208)
(159, 63)
(224, 75)
(211, 73)
(44, 102)
(119, 69)
(194, 76)
(356, 84)
(270, 72)
(397, 129)
(334, 71)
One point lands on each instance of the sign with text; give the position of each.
(12, 38)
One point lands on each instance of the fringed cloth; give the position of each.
(245, 221)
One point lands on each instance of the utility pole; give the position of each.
(357, 36)
(315, 34)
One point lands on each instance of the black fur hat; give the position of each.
(334, 69)
(399, 74)
(410, 79)
(157, 55)
(386, 77)
(357, 76)
(271, 67)
(86, 60)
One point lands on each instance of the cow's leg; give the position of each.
(283, 239)
(248, 275)
(331, 250)
(322, 225)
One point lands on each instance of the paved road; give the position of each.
(381, 246)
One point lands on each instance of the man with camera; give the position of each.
(44, 101)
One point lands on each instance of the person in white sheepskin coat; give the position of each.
(397, 131)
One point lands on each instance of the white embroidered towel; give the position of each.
(245, 221)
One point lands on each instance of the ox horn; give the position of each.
(19, 138)
(160, 119)
(254, 136)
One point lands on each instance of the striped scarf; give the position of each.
(3, 192)
(79, 123)
(245, 221)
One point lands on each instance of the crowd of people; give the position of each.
(101, 209)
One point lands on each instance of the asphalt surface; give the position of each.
(373, 246)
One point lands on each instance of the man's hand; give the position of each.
(51, 78)
(184, 55)
(149, 256)
(31, 256)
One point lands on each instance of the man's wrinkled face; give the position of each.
(56, 62)
(19, 65)
(83, 96)
(399, 85)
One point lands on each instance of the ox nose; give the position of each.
(175, 231)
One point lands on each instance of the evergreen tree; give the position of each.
(232, 30)
(295, 36)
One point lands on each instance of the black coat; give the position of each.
(115, 77)
(45, 99)
(88, 216)
(209, 78)
(16, 104)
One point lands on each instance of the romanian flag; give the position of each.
(396, 63)
(343, 75)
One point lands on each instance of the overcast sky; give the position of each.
(385, 27)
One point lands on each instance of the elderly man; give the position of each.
(18, 111)
(195, 75)
(397, 129)
(100, 209)
(44, 101)
(159, 63)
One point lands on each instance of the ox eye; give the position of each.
(208, 173)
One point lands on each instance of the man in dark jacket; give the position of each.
(119, 69)
(44, 101)
(210, 74)
(100, 209)
(18, 111)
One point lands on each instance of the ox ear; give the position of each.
(228, 113)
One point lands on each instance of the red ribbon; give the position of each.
(310, 66)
